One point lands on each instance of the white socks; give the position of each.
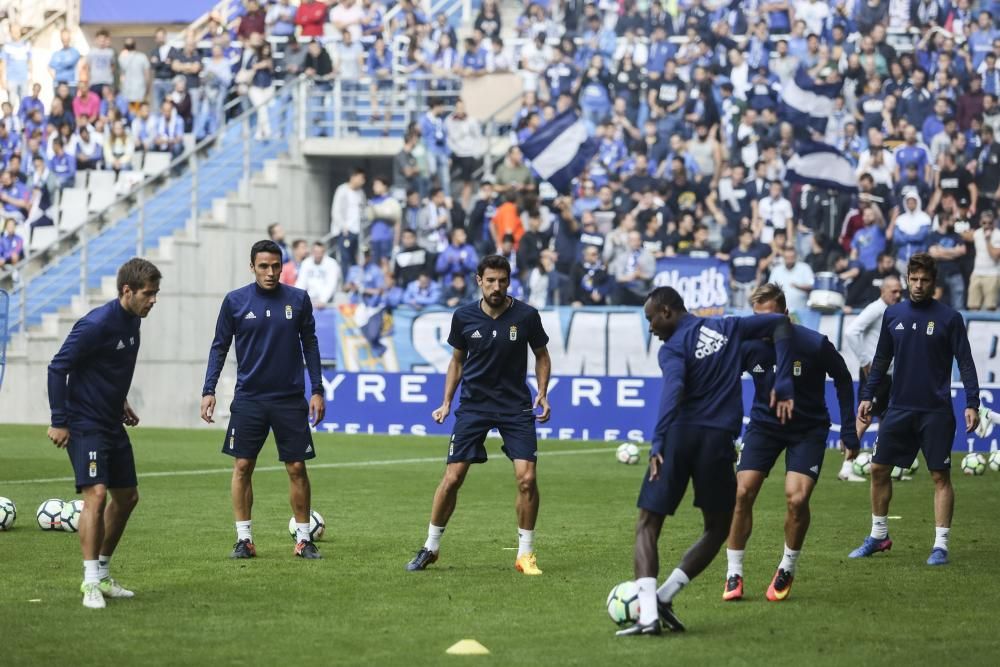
(648, 612)
(91, 572)
(789, 560)
(302, 532)
(672, 586)
(243, 531)
(434, 534)
(941, 537)
(104, 566)
(525, 541)
(735, 558)
(880, 527)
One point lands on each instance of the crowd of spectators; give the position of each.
(684, 102)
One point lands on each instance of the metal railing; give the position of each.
(368, 107)
(145, 211)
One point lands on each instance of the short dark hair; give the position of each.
(767, 293)
(271, 227)
(495, 262)
(667, 297)
(298, 242)
(922, 262)
(267, 246)
(137, 273)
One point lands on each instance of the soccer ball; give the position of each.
(994, 463)
(70, 515)
(8, 513)
(974, 464)
(49, 514)
(317, 527)
(623, 603)
(627, 453)
(914, 467)
(862, 463)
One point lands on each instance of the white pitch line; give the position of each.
(311, 466)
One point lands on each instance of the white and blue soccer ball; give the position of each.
(627, 453)
(994, 461)
(70, 515)
(623, 603)
(862, 464)
(49, 514)
(317, 526)
(974, 464)
(8, 513)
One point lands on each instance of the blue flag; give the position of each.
(560, 150)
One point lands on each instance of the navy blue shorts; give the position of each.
(903, 433)
(380, 250)
(250, 421)
(804, 450)
(101, 456)
(471, 427)
(705, 456)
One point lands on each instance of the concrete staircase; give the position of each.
(198, 269)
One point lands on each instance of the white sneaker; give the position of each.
(850, 477)
(985, 426)
(92, 598)
(112, 589)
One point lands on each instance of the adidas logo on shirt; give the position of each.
(758, 369)
(710, 341)
(899, 327)
(250, 316)
(476, 334)
(120, 345)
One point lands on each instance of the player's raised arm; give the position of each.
(836, 368)
(967, 370)
(217, 359)
(81, 341)
(310, 351)
(880, 365)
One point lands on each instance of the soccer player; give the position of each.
(701, 412)
(803, 440)
(89, 380)
(861, 337)
(491, 338)
(923, 335)
(274, 328)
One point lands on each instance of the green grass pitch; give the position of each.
(359, 607)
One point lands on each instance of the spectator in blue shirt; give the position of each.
(435, 135)
(458, 257)
(422, 292)
(11, 245)
(915, 153)
(63, 63)
(365, 282)
(934, 123)
(869, 241)
(62, 164)
(14, 196)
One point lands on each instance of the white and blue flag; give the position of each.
(806, 103)
(560, 150)
(822, 166)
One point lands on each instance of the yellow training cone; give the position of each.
(468, 647)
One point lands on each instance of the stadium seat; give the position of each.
(72, 209)
(155, 163)
(42, 238)
(102, 190)
(80, 181)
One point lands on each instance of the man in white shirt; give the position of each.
(348, 15)
(319, 275)
(345, 218)
(984, 285)
(795, 277)
(861, 338)
(774, 212)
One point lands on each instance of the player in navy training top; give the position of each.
(274, 329)
(923, 336)
(89, 380)
(803, 439)
(701, 412)
(491, 339)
